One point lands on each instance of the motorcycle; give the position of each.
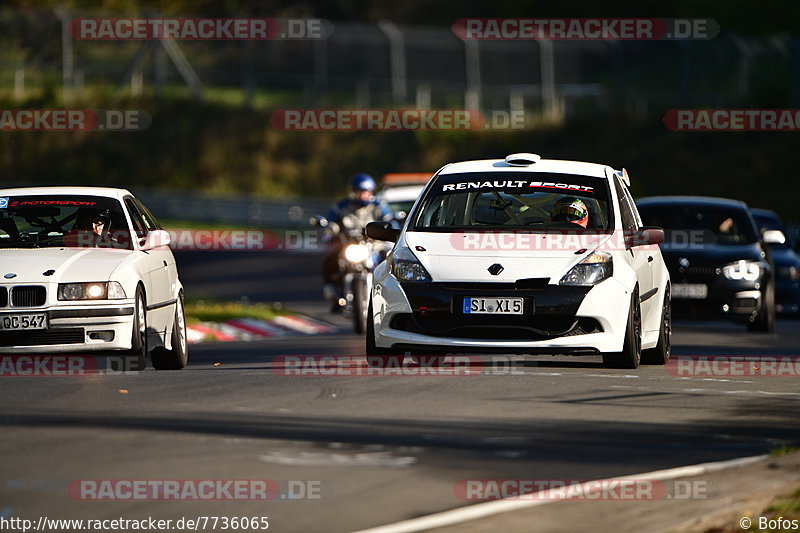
(357, 257)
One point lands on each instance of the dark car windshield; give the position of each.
(700, 223)
(62, 221)
(511, 201)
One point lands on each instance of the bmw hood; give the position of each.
(67, 264)
(469, 256)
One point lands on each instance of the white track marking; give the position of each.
(481, 510)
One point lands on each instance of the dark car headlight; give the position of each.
(743, 270)
(94, 290)
(406, 267)
(592, 270)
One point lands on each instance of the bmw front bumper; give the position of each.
(73, 329)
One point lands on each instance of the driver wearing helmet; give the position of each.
(92, 220)
(351, 214)
(570, 209)
(90, 228)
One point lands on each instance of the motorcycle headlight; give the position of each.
(99, 290)
(406, 267)
(356, 253)
(592, 270)
(742, 270)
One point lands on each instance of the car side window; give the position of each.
(632, 207)
(136, 218)
(150, 221)
(628, 219)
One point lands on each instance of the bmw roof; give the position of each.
(89, 191)
(693, 200)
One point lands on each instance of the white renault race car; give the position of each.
(88, 270)
(522, 255)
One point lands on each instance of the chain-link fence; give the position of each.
(373, 65)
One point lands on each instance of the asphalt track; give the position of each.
(378, 449)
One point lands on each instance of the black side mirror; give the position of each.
(646, 235)
(382, 231)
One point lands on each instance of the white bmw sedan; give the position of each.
(522, 255)
(88, 270)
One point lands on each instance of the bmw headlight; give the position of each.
(592, 270)
(96, 290)
(406, 267)
(356, 253)
(742, 270)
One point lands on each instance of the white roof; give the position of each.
(88, 191)
(545, 165)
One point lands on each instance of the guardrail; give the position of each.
(235, 209)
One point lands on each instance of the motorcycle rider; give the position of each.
(351, 213)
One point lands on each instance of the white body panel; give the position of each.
(153, 269)
(447, 257)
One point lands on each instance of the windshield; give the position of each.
(62, 221)
(510, 201)
(707, 224)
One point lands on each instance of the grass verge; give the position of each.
(212, 311)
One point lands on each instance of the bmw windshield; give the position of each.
(63, 221)
(699, 223)
(538, 202)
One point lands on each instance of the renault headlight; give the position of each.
(96, 290)
(356, 253)
(742, 270)
(596, 267)
(406, 267)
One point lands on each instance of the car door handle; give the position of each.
(165, 264)
(649, 258)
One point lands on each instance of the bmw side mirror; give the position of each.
(382, 231)
(774, 236)
(156, 239)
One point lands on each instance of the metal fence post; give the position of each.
(472, 99)
(67, 58)
(397, 54)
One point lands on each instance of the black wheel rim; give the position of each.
(142, 319)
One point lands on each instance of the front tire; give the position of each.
(661, 353)
(360, 307)
(379, 357)
(765, 320)
(631, 354)
(136, 358)
(178, 356)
